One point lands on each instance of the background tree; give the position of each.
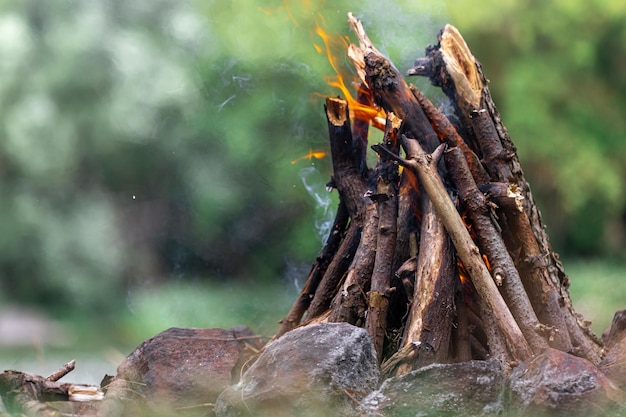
(150, 140)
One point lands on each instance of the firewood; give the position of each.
(351, 185)
(451, 66)
(431, 314)
(448, 134)
(30, 394)
(504, 272)
(389, 88)
(386, 199)
(350, 303)
(423, 165)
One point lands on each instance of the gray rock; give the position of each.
(556, 383)
(472, 388)
(316, 370)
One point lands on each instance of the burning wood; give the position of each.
(447, 259)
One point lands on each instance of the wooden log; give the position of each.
(407, 237)
(389, 88)
(347, 160)
(451, 65)
(350, 303)
(423, 165)
(386, 199)
(28, 394)
(351, 185)
(490, 241)
(409, 217)
(448, 134)
(429, 324)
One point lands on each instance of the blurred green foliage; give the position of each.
(149, 140)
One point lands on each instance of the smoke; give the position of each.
(402, 30)
(316, 187)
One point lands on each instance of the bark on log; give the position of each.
(469, 253)
(351, 186)
(451, 65)
(386, 199)
(504, 272)
(429, 324)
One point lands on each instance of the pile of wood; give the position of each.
(439, 251)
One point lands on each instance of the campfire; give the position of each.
(437, 257)
(439, 250)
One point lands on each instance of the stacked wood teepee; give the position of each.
(439, 250)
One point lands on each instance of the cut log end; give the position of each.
(461, 66)
(336, 111)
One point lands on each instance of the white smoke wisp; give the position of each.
(315, 186)
(402, 30)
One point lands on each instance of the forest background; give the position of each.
(152, 153)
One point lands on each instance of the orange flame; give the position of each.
(332, 46)
(312, 154)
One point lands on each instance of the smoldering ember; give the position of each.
(436, 293)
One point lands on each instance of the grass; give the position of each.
(598, 290)
(258, 305)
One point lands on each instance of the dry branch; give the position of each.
(504, 272)
(351, 186)
(424, 165)
(386, 198)
(429, 324)
(451, 65)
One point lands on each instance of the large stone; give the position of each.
(472, 388)
(316, 370)
(178, 370)
(556, 383)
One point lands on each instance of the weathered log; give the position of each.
(490, 241)
(423, 165)
(429, 324)
(351, 186)
(389, 88)
(386, 199)
(451, 65)
(28, 394)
